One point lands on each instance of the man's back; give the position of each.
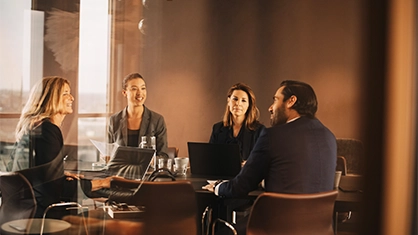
(296, 157)
(302, 156)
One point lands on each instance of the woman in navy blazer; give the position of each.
(240, 124)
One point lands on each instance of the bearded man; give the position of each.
(296, 155)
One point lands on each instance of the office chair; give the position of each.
(353, 152)
(19, 205)
(170, 206)
(341, 165)
(290, 214)
(172, 152)
(18, 198)
(342, 216)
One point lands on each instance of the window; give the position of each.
(29, 53)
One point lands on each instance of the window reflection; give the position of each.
(86, 65)
(93, 56)
(90, 128)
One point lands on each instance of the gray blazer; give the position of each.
(152, 125)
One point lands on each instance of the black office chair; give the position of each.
(18, 198)
(46, 183)
(19, 204)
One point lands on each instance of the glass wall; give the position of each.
(65, 38)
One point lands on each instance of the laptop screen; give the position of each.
(130, 162)
(214, 160)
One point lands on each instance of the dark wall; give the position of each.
(193, 51)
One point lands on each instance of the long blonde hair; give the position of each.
(44, 101)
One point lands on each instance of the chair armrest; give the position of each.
(70, 205)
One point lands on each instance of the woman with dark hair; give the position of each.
(135, 120)
(39, 131)
(240, 124)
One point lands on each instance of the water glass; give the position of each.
(169, 164)
(181, 164)
(160, 163)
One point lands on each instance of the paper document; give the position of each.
(106, 149)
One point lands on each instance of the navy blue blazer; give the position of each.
(296, 157)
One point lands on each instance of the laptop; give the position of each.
(130, 162)
(217, 161)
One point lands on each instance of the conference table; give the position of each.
(349, 197)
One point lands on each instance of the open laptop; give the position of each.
(130, 162)
(215, 161)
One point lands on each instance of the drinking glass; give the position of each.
(181, 164)
(169, 164)
(160, 163)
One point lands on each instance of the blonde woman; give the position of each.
(39, 130)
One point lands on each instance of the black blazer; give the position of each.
(296, 157)
(246, 138)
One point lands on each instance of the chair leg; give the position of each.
(206, 220)
(335, 223)
(228, 225)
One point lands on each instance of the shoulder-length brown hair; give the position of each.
(44, 101)
(252, 115)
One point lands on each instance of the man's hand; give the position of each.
(209, 187)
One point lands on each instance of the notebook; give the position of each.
(217, 161)
(130, 162)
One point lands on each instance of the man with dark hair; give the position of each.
(296, 155)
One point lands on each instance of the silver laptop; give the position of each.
(130, 162)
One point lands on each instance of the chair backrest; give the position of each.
(18, 198)
(172, 152)
(170, 207)
(341, 165)
(352, 150)
(292, 214)
(46, 182)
